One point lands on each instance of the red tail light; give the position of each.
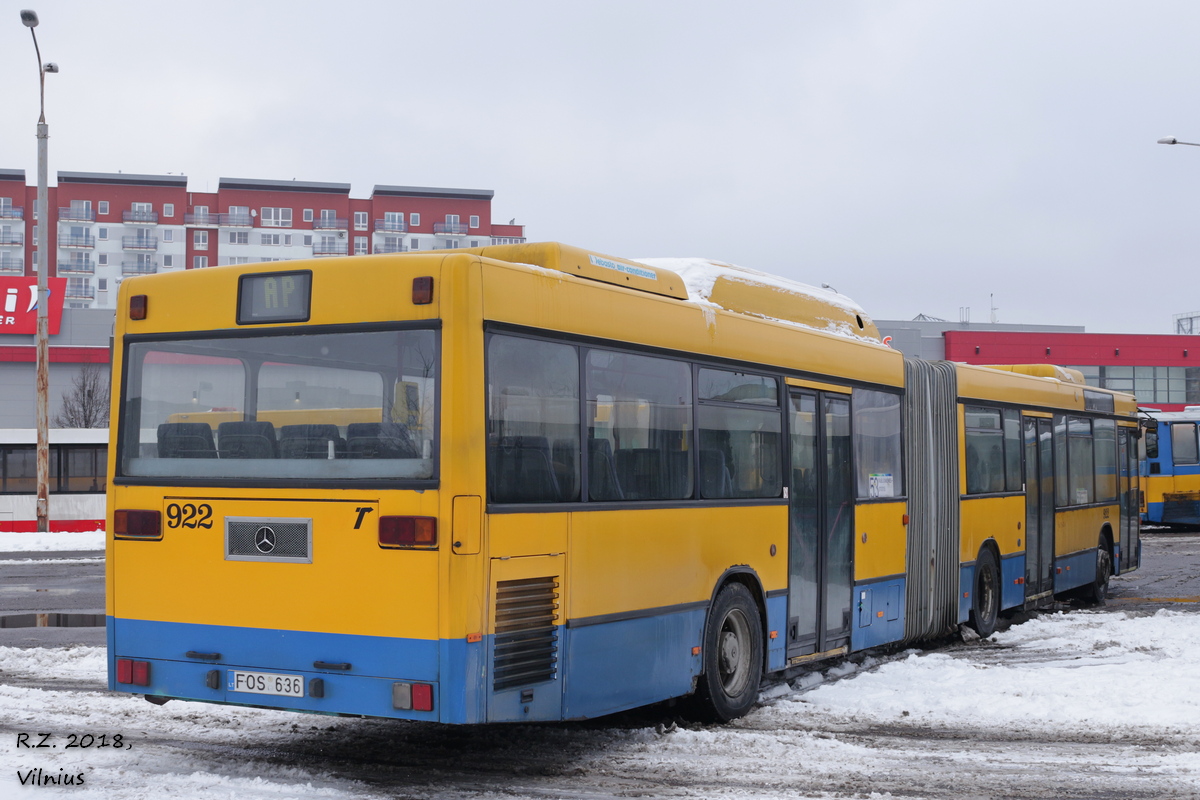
(408, 532)
(137, 523)
(412, 696)
(134, 672)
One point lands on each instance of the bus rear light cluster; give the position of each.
(138, 305)
(137, 523)
(412, 696)
(408, 532)
(422, 290)
(133, 672)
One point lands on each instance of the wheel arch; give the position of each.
(746, 576)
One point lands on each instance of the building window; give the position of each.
(168, 261)
(360, 220)
(199, 262)
(102, 207)
(360, 245)
(239, 237)
(308, 215)
(414, 219)
(308, 240)
(276, 217)
(102, 233)
(474, 221)
(414, 244)
(102, 284)
(168, 236)
(200, 240)
(272, 239)
(474, 243)
(168, 209)
(200, 211)
(102, 259)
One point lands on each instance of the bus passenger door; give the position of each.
(1039, 509)
(820, 546)
(1127, 466)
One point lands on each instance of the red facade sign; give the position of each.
(18, 304)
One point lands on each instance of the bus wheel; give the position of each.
(1098, 592)
(733, 656)
(985, 600)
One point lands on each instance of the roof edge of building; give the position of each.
(123, 178)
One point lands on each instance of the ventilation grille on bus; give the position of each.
(268, 539)
(526, 641)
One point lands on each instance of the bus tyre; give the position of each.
(733, 656)
(985, 599)
(1097, 593)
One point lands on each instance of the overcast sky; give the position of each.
(917, 156)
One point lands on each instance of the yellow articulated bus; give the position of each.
(532, 482)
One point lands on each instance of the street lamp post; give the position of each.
(30, 20)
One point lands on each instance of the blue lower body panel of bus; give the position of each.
(197, 662)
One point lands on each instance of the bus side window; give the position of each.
(1150, 443)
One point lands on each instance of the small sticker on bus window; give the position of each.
(881, 485)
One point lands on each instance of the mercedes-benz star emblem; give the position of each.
(264, 539)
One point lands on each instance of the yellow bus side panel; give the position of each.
(1078, 529)
(622, 561)
(999, 518)
(880, 541)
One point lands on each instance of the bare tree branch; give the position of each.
(85, 405)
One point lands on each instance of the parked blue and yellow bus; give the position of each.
(1171, 468)
(533, 482)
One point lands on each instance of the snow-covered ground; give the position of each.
(49, 542)
(1081, 704)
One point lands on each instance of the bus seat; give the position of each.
(715, 480)
(603, 485)
(245, 439)
(310, 441)
(522, 471)
(565, 460)
(380, 440)
(640, 473)
(185, 440)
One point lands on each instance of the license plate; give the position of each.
(266, 683)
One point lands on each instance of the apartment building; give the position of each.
(109, 226)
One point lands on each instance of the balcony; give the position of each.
(450, 228)
(139, 242)
(235, 221)
(391, 226)
(75, 214)
(140, 217)
(206, 219)
(337, 248)
(82, 267)
(12, 212)
(9, 239)
(390, 248)
(80, 292)
(11, 266)
(331, 224)
(76, 242)
(139, 267)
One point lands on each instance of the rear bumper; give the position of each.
(366, 688)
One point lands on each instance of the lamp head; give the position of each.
(1168, 140)
(50, 66)
(29, 18)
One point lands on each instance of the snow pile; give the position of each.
(50, 542)
(700, 275)
(1105, 673)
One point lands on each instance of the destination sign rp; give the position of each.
(269, 297)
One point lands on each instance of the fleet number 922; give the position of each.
(189, 515)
